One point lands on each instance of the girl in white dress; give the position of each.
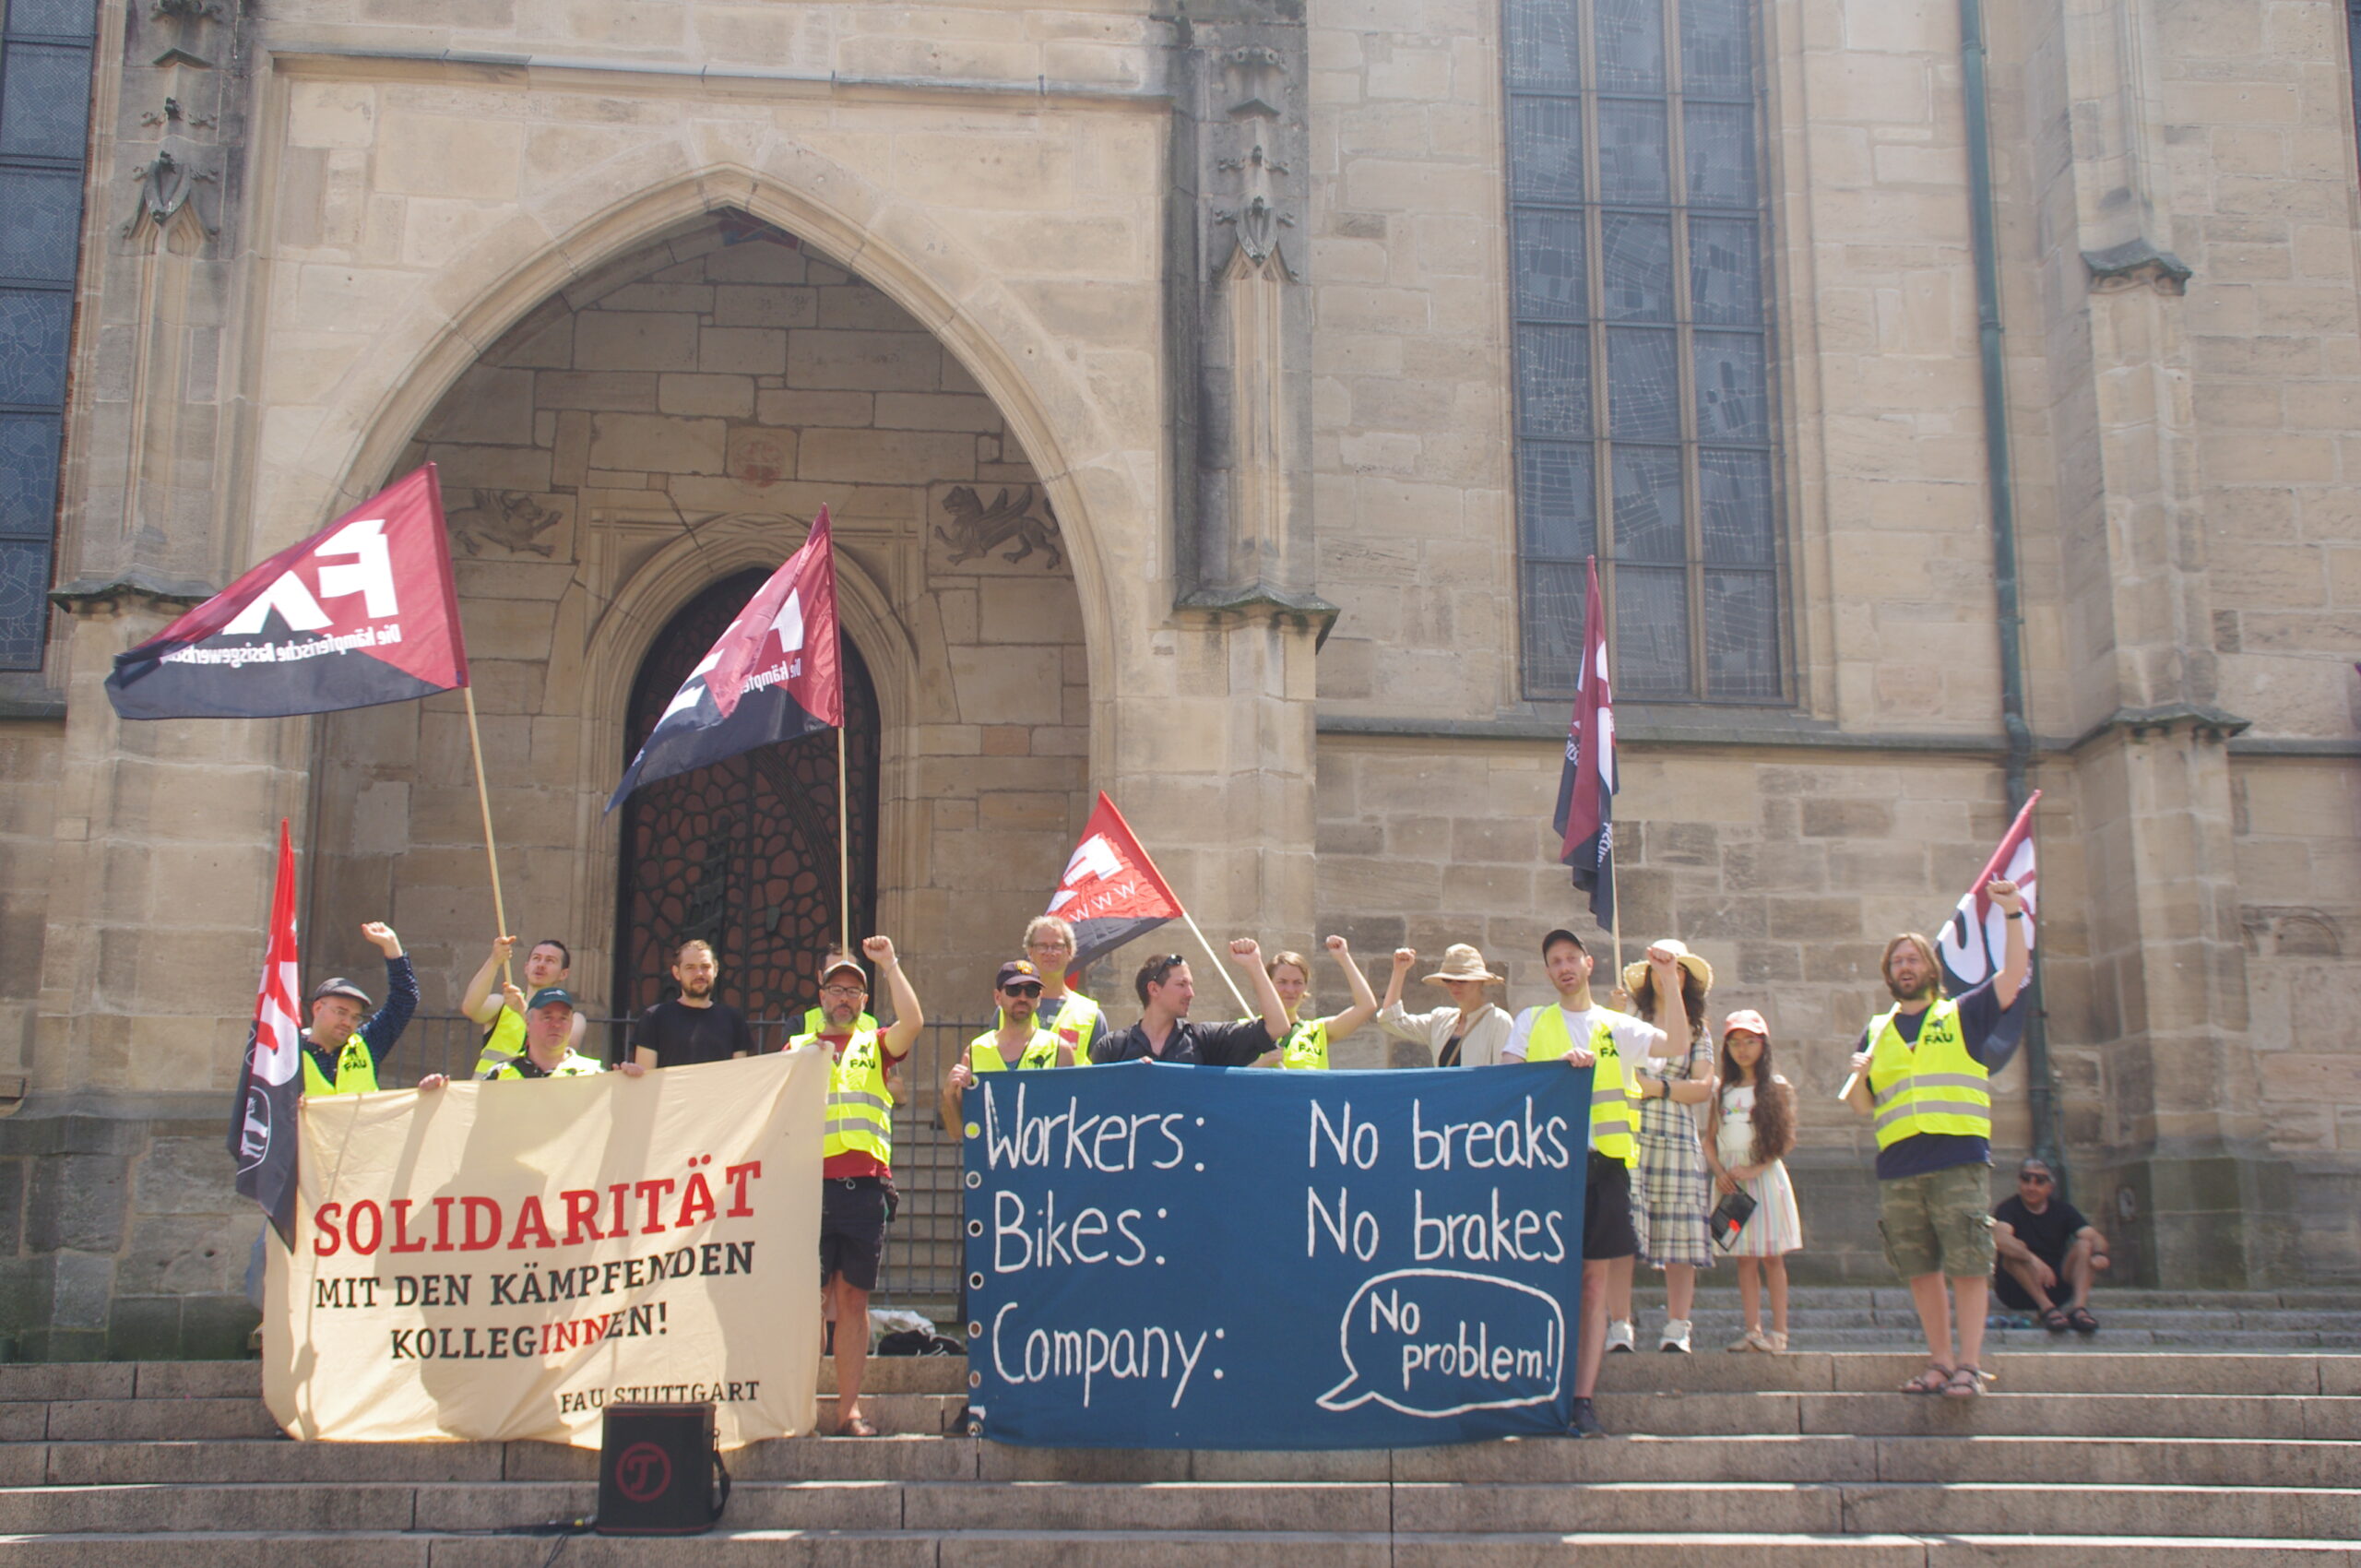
(1750, 1128)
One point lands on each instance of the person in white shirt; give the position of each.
(1581, 1034)
(1468, 1033)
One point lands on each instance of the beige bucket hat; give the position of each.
(1634, 973)
(1462, 962)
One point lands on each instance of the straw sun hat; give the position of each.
(1634, 973)
(1462, 962)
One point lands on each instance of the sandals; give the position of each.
(1965, 1383)
(2080, 1320)
(1936, 1379)
(856, 1426)
(2054, 1321)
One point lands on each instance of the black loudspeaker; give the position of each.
(659, 1471)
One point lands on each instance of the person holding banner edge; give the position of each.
(857, 1155)
(549, 1051)
(693, 1027)
(1019, 1042)
(1307, 1041)
(1924, 1072)
(1582, 1034)
(1164, 1033)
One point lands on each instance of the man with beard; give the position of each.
(695, 1028)
(346, 1042)
(1019, 1042)
(1924, 1071)
(857, 1154)
(547, 964)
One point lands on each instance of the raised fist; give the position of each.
(1335, 944)
(1405, 957)
(382, 934)
(880, 949)
(2003, 892)
(1246, 950)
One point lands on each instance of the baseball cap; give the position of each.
(1747, 1018)
(834, 961)
(1014, 969)
(550, 993)
(1562, 934)
(339, 986)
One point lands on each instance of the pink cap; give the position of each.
(1746, 1018)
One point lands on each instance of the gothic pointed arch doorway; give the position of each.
(743, 852)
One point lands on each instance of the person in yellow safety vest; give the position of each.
(346, 1043)
(857, 1153)
(1580, 1034)
(1924, 1071)
(547, 964)
(1308, 1040)
(549, 1043)
(1020, 1042)
(1064, 1012)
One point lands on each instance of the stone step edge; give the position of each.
(2046, 1487)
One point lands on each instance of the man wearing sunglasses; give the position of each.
(2049, 1254)
(1163, 1032)
(1020, 1042)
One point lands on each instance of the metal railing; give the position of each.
(923, 1246)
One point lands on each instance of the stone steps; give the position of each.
(2077, 1457)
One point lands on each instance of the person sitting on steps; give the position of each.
(2050, 1255)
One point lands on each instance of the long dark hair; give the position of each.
(1692, 998)
(1774, 1104)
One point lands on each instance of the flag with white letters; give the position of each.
(1111, 891)
(774, 674)
(362, 612)
(262, 1119)
(1977, 935)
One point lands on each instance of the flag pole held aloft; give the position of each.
(1111, 893)
(1585, 818)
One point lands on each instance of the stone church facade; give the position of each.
(1214, 404)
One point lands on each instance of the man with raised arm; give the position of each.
(1924, 1071)
(1581, 1034)
(1163, 1032)
(346, 1043)
(857, 1153)
(547, 964)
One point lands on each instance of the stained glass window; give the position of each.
(44, 121)
(1645, 429)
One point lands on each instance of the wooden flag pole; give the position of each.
(1244, 1006)
(490, 849)
(844, 845)
(1617, 903)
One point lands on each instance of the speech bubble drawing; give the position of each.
(1439, 1342)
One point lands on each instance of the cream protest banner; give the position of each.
(503, 1260)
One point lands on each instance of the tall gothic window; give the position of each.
(1644, 424)
(44, 121)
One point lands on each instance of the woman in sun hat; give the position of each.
(1468, 1033)
(1673, 1187)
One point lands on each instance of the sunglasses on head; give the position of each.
(1159, 967)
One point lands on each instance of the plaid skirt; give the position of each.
(1673, 1188)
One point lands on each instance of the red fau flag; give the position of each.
(774, 674)
(1585, 814)
(362, 612)
(1976, 935)
(262, 1119)
(1111, 892)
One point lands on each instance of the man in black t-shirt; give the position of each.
(2049, 1254)
(695, 1028)
(1163, 1032)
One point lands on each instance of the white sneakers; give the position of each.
(1755, 1339)
(1618, 1334)
(1676, 1335)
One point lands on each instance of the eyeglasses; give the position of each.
(1049, 947)
(1020, 990)
(2032, 1178)
(841, 993)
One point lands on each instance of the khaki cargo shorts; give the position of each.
(1939, 1222)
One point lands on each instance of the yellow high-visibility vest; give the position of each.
(1077, 1015)
(1937, 1088)
(356, 1073)
(1307, 1046)
(1041, 1051)
(1612, 1120)
(816, 1020)
(860, 1104)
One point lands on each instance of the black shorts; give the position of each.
(852, 1230)
(1607, 1211)
(2017, 1299)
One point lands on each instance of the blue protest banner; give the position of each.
(1162, 1256)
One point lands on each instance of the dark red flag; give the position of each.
(362, 612)
(1585, 814)
(1111, 892)
(1976, 935)
(773, 674)
(262, 1119)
